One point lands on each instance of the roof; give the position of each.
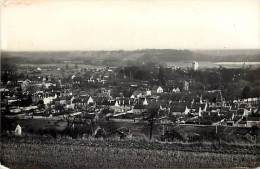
(179, 107)
(139, 106)
(243, 105)
(253, 118)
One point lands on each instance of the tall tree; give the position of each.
(161, 75)
(153, 112)
(246, 92)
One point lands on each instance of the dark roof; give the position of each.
(253, 118)
(180, 107)
(243, 106)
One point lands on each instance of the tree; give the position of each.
(246, 92)
(67, 66)
(8, 72)
(40, 104)
(161, 76)
(26, 100)
(153, 112)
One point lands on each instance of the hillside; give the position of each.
(120, 57)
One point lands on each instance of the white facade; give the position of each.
(159, 89)
(18, 130)
(90, 100)
(176, 90)
(148, 93)
(116, 104)
(195, 65)
(145, 103)
(186, 111)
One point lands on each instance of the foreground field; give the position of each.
(126, 154)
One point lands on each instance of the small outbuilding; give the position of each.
(18, 130)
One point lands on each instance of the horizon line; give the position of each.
(141, 49)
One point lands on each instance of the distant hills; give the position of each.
(138, 56)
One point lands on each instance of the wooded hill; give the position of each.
(136, 56)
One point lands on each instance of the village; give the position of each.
(61, 97)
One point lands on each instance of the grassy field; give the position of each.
(65, 154)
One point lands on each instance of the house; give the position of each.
(176, 90)
(230, 123)
(3, 167)
(186, 86)
(159, 89)
(90, 100)
(253, 121)
(243, 112)
(16, 111)
(70, 106)
(118, 108)
(195, 66)
(145, 103)
(48, 85)
(198, 108)
(73, 76)
(116, 104)
(18, 130)
(179, 109)
(148, 93)
(241, 124)
(48, 100)
(25, 84)
(137, 94)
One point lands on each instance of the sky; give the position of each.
(58, 25)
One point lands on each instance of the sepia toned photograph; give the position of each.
(130, 84)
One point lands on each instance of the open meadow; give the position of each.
(94, 153)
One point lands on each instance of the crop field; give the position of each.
(228, 134)
(65, 154)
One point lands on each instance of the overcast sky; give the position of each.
(124, 24)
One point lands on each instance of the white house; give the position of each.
(73, 76)
(195, 65)
(200, 112)
(90, 100)
(139, 95)
(116, 104)
(18, 130)
(187, 110)
(176, 90)
(145, 103)
(3, 167)
(159, 89)
(148, 93)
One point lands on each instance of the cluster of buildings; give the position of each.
(59, 99)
